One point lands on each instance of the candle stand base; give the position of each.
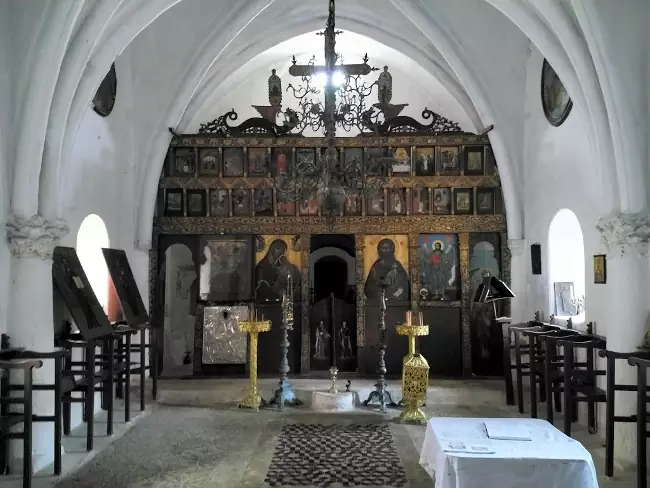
(413, 414)
(381, 395)
(253, 401)
(284, 395)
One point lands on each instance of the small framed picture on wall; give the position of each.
(600, 268)
(196, 203)
(174, 203)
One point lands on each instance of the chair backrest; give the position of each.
(72, 283)
(24, 364)
(583, 341)
(126, 287)
(639, 362)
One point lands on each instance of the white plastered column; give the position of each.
(518, 263)
(627, 239)
(31, 326)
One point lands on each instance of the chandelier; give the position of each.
(344, 104)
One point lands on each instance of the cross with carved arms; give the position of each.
(330, 69)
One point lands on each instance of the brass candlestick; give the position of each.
(253, 327)
(415, 372)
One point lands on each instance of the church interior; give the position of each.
(388, 243)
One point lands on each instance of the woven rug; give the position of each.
(345, 455)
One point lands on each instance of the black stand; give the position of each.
(285, 394)
(381, 392)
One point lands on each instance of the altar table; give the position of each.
(549, 460)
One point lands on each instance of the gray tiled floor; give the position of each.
(242, 441)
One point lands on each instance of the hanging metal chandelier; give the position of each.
(345, 105)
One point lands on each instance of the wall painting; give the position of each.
(276, 258)
(386, 257)
(439, 267)
(226, 268)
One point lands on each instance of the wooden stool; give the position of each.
(538, 339)
(610, 415)
(523, 368)
(580, 383)
(641, 418)
(9, 419)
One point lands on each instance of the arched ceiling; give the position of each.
(412, 83)
(184, 56)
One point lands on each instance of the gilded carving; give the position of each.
(506, 263)
(204, 182)
(198, 140)
(414, 270)
(463, 244)
(302, 244)
(361, 297)
(339, 225)
(360, 226)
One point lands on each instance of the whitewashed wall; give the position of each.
(177, 58)
(559, 173)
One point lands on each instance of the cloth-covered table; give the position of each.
(549, 460)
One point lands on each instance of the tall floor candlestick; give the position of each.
(285, 394)
(253, 327)
(415, 372)
(381, 392)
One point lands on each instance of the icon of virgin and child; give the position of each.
(274, 272)
(387, 271)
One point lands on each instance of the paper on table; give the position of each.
(507, 431)
(461, 447)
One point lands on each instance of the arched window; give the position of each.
(91, 238)
(566, 265)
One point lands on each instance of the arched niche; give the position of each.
(566, 265)
(91, 238)
(337, 252)
(178, 324)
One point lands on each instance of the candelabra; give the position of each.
(253, 327)
(345, 104)
(284, 393)
(381, 392)
(415, 372)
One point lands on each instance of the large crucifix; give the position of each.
(330, 55)
(329, 69)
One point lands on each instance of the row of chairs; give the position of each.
(559, 363)
(106, 367)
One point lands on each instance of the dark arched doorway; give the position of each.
(330, 278)
(333, 311)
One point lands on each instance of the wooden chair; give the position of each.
(59, 386)
(123, 355)
(123, 368)
(610, 414)
(136, 317)
(9, 419)
(642, 433)
(536, 362)
(521, 367)
(508, 367)
(580, 382)
(550, 368)
(80, 376)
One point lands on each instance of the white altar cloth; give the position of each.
(550, 460)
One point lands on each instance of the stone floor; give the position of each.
(196, 437)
